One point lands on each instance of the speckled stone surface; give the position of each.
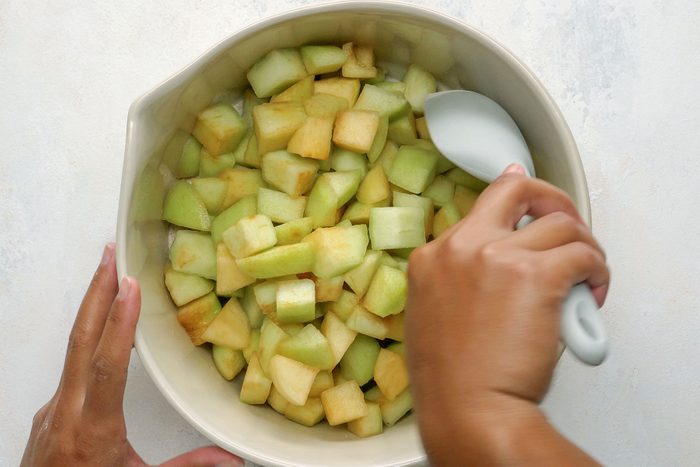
(624, 73)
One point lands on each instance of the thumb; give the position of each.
(208, 456)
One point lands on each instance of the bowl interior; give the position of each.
(459, 56)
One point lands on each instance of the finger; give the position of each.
(553, 230)
(105, 390)
(88, 326)
(205, 457)
(600, 293)
(577, 262)
(512, 195)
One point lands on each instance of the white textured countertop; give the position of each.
(625, 74)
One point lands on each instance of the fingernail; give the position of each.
(515, 169)
(124, 288)
(107, 253)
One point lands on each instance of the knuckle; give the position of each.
(79, 338)
(101, 367)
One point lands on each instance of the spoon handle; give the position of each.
(581, 326)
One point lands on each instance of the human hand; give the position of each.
(483, 320)
(83, 423)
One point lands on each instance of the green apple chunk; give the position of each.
(322, 206)
(358, 279)
(396, 227)
(460, 177)
(310, 347)
(357, 213)
(464, 199)
(297, 92)
(308, 414)
(256, 386)
(279, 261)
(405, 200)
(184, 207)
(393, 410)
(289, 173)
(369, 425)
(211, 166)
(388, 156)
(270, 337)
(374, 395)
(383, 102)
(196, 316)
(250, 101)
(398, 347)
(251, 308)
(387, 292)
(338, 334)
(249, 155)
(343, 403)
(250, 235)
(441, 191)
(229, 277)
(343, 306)
(182, 155)
(319, 59)
(294, 231)
(403, 130)
(390, 373)
(445, 218)
(379, 139)
(323, 381)
(358, 361)
(276, 71)
(238, 154)
(193, 253)
(296, 300)
(276, 401)
(280, 207)
(343, 160)
(275, 123)
(344, 182)
(422, 128)
(355, 130)
(242, 182)
(292, 329)
(419, 83)
(212, 191)
(230, 327)
(228, 361)
(367, 323)
(345, 88)
(324, 105)
(244, 207)
(184, 288)
(413, 168)
(219, 128)
(397, 87)
(337, 249)
(292, 379)
(375, 187)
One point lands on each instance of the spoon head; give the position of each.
(476, 133)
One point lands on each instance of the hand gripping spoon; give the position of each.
(479, 136)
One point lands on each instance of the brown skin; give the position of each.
(83, 423)
(482, 324)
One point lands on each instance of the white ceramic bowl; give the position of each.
(458, 55)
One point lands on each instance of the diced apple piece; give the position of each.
(242, 182)
(343, 403)
(276, 71)
(229, 277)
(385, 103)
(292, 329)
(270, 337)
(253, 346)
(369, 425)
(464, 199)
(313, 138)
(292, 379)
(419, 83)
(294, 231)
(279, 261)
(250, 235)
(393, 410)
(229, 362)
(390, 373)
(266, 298)
(212, 191)
(359, 278)
(394, 227)
(358, 361)
(389, 260)
(460, 177)
(413, 169)
(344, 305)
(374, 187)
(355, 130)
(388, 156)
(250, 100)
(345, 183)
(275, 123)
(296, 301)
(323, 203)
(387, 292)
(184, 288)
(308, 414)
(238, 156)
(374, 395)
(441, 190)
(310, 347)
(326, 289)
(256, 386)
(338, 334)
(323, 381)
(251, 308)
(360, 62)
(343, 160)
(242, 208)
(403, 130)
(277, 401)
(219, 128)
(289, 173)
(211, 166)
(280, 207)
(357, 213)
(401, 200)
(444, 164)
(182, 155)
(193, 253)
(395, 328)
(230, 327)
(197, 315)
(297, 92)
(251, 155)
(337, 249)
(324, 105)
(338, 378)
(379, 139)
(398, 347)
(345, 88)
(445, 218)
(184, 207)
(422, 128)
(397, 87)
(319, 59)
(367, 323)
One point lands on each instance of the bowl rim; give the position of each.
(350, 6)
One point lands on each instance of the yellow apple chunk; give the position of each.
(355, 130)
(313, 139)
(343, 403)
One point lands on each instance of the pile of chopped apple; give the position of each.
(298, 216)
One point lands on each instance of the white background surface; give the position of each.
(625, 74)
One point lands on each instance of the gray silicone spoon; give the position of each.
(479, 136)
